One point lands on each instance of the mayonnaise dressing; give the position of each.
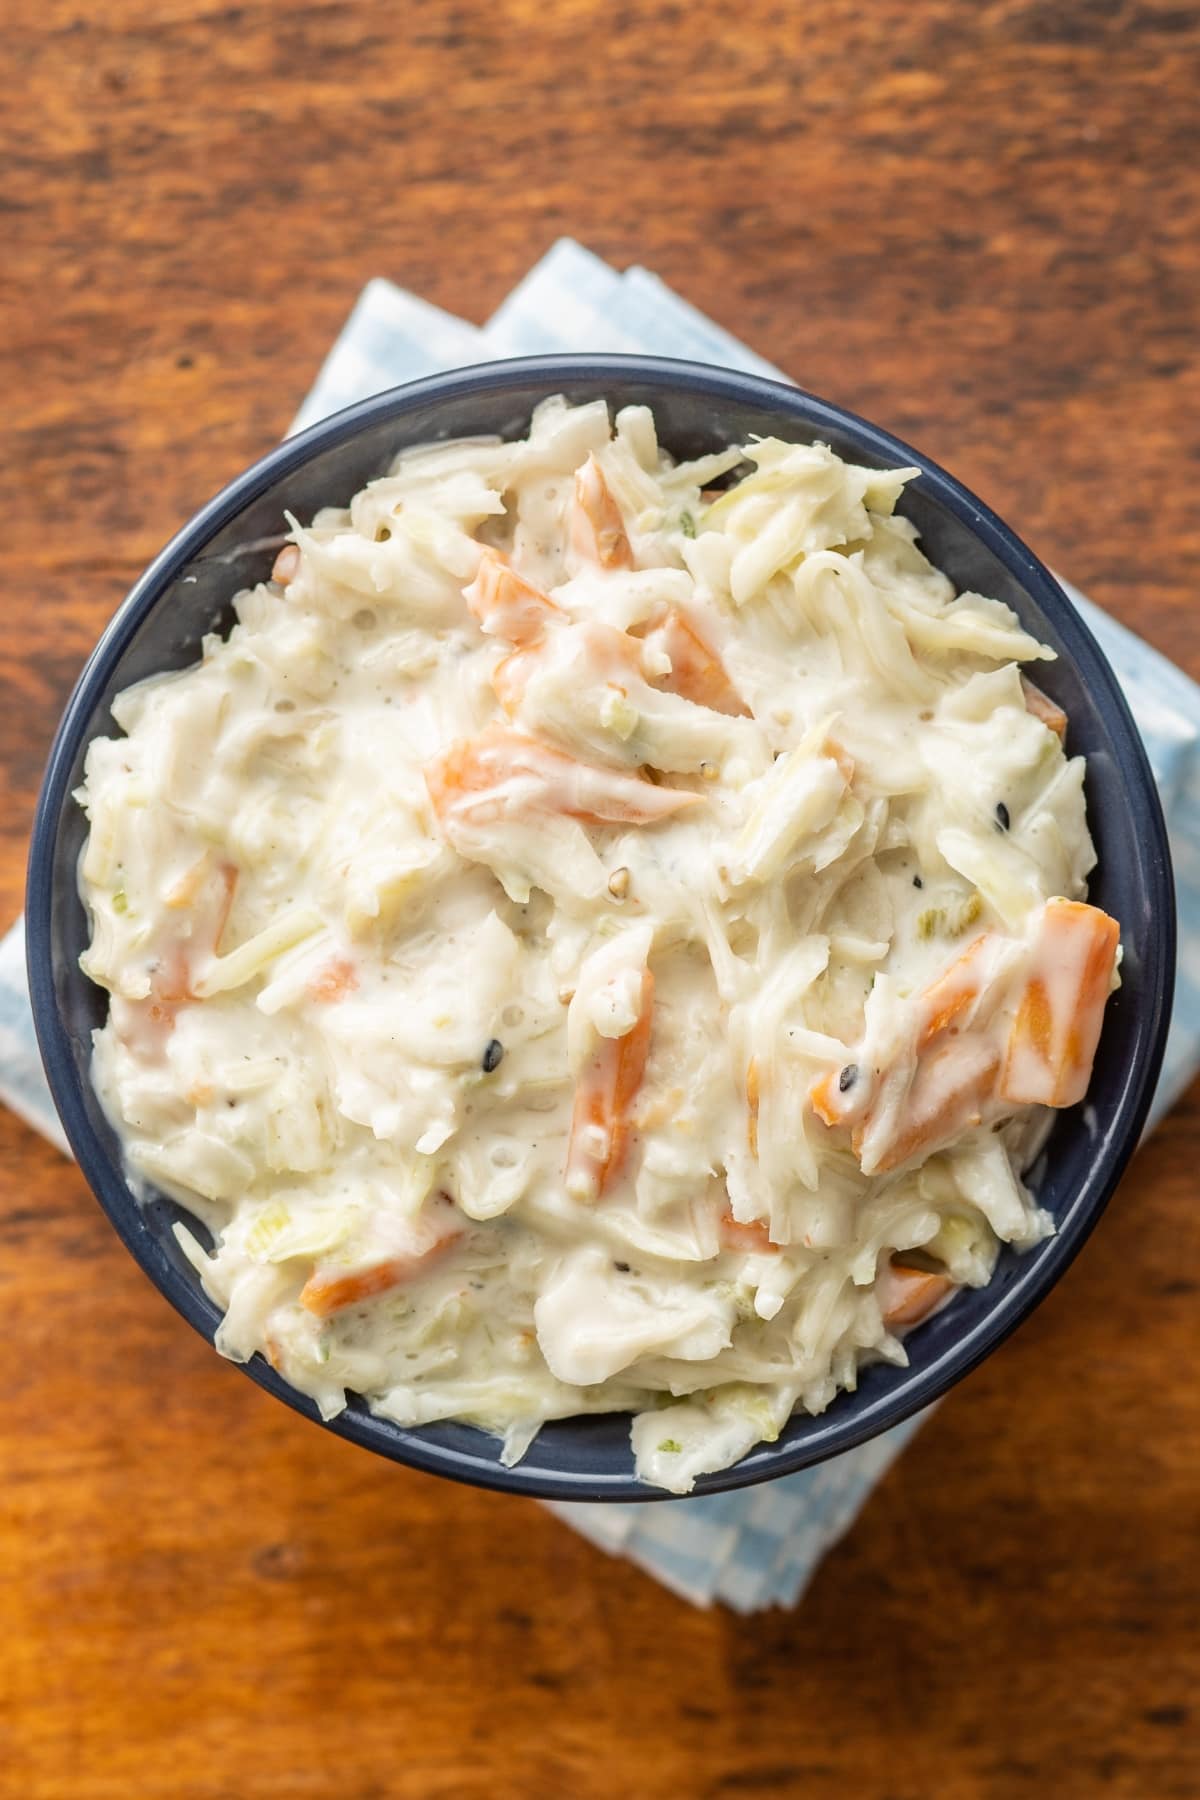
(584, 933)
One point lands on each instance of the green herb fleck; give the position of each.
(670, 1447)
(120, 902)
(950, 920)
(687, 524)
(963, 914)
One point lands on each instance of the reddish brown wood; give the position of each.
(977, 224)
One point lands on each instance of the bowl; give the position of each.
(229, 544)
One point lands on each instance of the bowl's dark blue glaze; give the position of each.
(186, 593)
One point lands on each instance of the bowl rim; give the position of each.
(832, 1433)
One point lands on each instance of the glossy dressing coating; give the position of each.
(585, 931)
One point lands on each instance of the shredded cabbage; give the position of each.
(606, 1010)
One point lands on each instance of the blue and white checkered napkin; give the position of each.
(757, 1547)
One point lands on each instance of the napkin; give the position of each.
(756, 1547)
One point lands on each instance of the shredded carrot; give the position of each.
(184, 892)
(960, 1076)
(504, 771)
(752, 1098)
(949, 1095)
(751, 1237)
(909, 1295)
(607, 655)
(597, 529)
(953, 993)
(229, 879)
(945, 1095)
(841, 757)
(329, 1291)
(326, 1293)
(600, 1123)
(697, 672)
(171, 982)
(823, 1098)
(1053, 1041)
(208, 892)
(196, 884)
(1034, 1024)
(1044, 708)
(507, 605)
(286, 566)
(510, 677)
(333, 981)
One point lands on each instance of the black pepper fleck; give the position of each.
(621, 1268)
(917, 882)
(848, 1077)
(493, 1056)
(1002, 818)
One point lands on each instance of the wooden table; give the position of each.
(975, 223)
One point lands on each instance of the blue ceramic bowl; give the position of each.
(186, 593)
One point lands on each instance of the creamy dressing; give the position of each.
(588, 940)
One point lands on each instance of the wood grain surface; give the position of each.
(977, 223)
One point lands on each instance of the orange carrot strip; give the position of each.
(286, 566)
(1044, 708)
(751, 1237)
(951, 993)
(196, 884)
(697, 672)
(949, 1095)
(841, 757)
(597, 529)
(329, 1291)
(511, 676)
(909, 1295)
(940, 1008)
(822, 1097)
(1053, 1040)
(752, 1098)
(184, 893)
(503, 771)
(171, 981)
(210, 900)
(325, 1293)
(229, 879)
(961, 1076)
(600, 1123)
(507, 605)
(146, 1024)
(333, 981)
(604, 654)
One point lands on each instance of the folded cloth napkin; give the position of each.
(760, 1546)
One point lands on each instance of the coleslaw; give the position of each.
(598, 934)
